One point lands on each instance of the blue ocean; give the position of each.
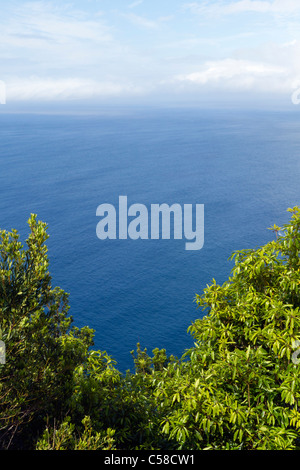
(244, 166)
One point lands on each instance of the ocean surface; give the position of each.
(244, 166)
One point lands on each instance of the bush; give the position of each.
(238, 387)
(42, 348)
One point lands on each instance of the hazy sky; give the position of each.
(143, 50)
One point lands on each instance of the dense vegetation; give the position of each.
(237, 388)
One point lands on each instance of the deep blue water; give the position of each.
(243, 166)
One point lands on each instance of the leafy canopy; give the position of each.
(238, 387)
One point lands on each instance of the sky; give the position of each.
(147, 51)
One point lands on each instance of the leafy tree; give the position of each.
(54, 391)
(42, 348)
(65, 437)
(238, 387)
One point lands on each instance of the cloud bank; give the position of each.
(53, 51)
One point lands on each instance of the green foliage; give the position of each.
(42, 348)
(65, 438)
(238, 387)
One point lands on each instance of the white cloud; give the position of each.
(140, 21)
(35, 89)
(236, 74)
(53, 52)
(144, 22)
(283, 7)
(136, 4)
(52, 37)
(56, 23)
